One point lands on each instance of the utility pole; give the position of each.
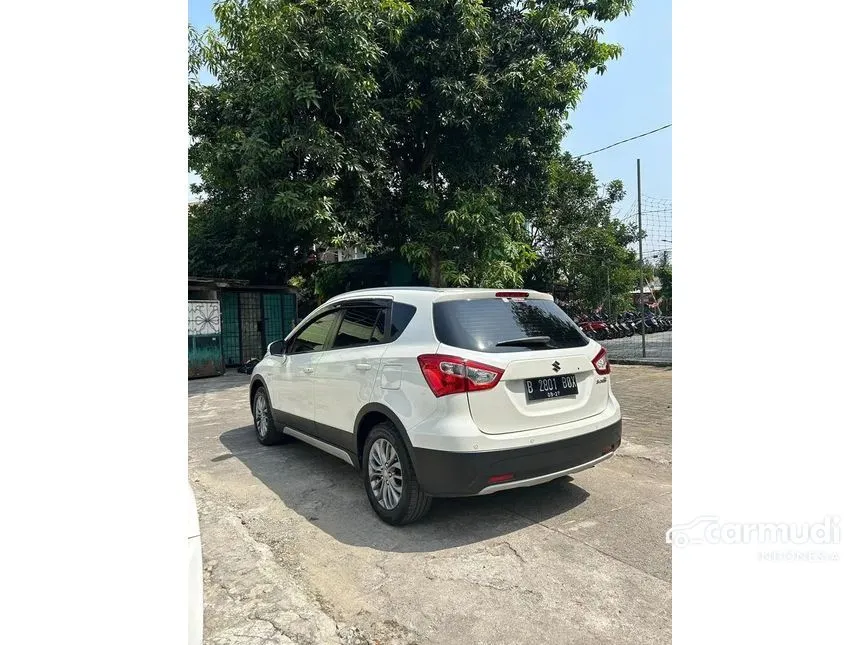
(641, 261)
(608, 294)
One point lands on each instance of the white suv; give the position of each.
(440, 393)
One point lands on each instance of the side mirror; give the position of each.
(277, 347)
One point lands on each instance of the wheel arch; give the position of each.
(372, 414)
(257, 382)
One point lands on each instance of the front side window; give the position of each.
(312, 338)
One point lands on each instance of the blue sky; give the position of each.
(632, 97)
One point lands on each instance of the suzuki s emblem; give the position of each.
(556, 366)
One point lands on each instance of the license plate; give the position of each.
(551, 387)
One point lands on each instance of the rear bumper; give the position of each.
(460, 474)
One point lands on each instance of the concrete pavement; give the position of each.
(294, 554)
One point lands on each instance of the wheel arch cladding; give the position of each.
(373, 414)
(256, 383)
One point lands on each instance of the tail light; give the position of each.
(601, 362)
(512, 294)
(451, 374)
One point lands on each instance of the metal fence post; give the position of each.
(641, 261)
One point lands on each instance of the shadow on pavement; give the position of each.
(330, 493)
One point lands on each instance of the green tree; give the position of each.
(581, 245)
(663, 271)
(477, 94)
(290, 136)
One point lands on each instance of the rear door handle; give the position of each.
(362, 366)
(308, 370)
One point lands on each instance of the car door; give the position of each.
(345, 374)
(294, 385)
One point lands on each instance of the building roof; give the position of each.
(654, 284)
(231, 283)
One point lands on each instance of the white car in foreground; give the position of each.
(440, 393)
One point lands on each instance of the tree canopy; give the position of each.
(291, 132)
(477, 94)
(431, 128)
(663, 272)
(584, 250)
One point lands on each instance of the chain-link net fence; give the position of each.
(636, 325)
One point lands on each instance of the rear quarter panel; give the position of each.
(400, 385)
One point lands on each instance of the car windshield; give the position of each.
(505, 325)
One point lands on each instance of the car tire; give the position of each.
(385, 460)
(264, 423)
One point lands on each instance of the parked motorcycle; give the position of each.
(595, 329)
(599, 326)
(626, 326)
(615, 329)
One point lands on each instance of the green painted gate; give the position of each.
(253, 319)
(230, 326)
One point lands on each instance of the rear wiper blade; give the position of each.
(524, 342)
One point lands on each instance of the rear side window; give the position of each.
(480, 324)
(359, 326)
(401, 314)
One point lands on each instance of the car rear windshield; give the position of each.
(480, 324)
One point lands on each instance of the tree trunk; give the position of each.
(435, 269)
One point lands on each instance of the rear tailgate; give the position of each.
(506, 407)
(472, 327)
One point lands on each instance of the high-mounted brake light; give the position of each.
(452, 374)
(601, 362)
(512, 294)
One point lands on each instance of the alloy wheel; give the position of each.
(386, 474)
(261, 415)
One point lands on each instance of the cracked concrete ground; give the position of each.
(293, 553)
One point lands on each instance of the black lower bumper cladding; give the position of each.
(459, 474)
